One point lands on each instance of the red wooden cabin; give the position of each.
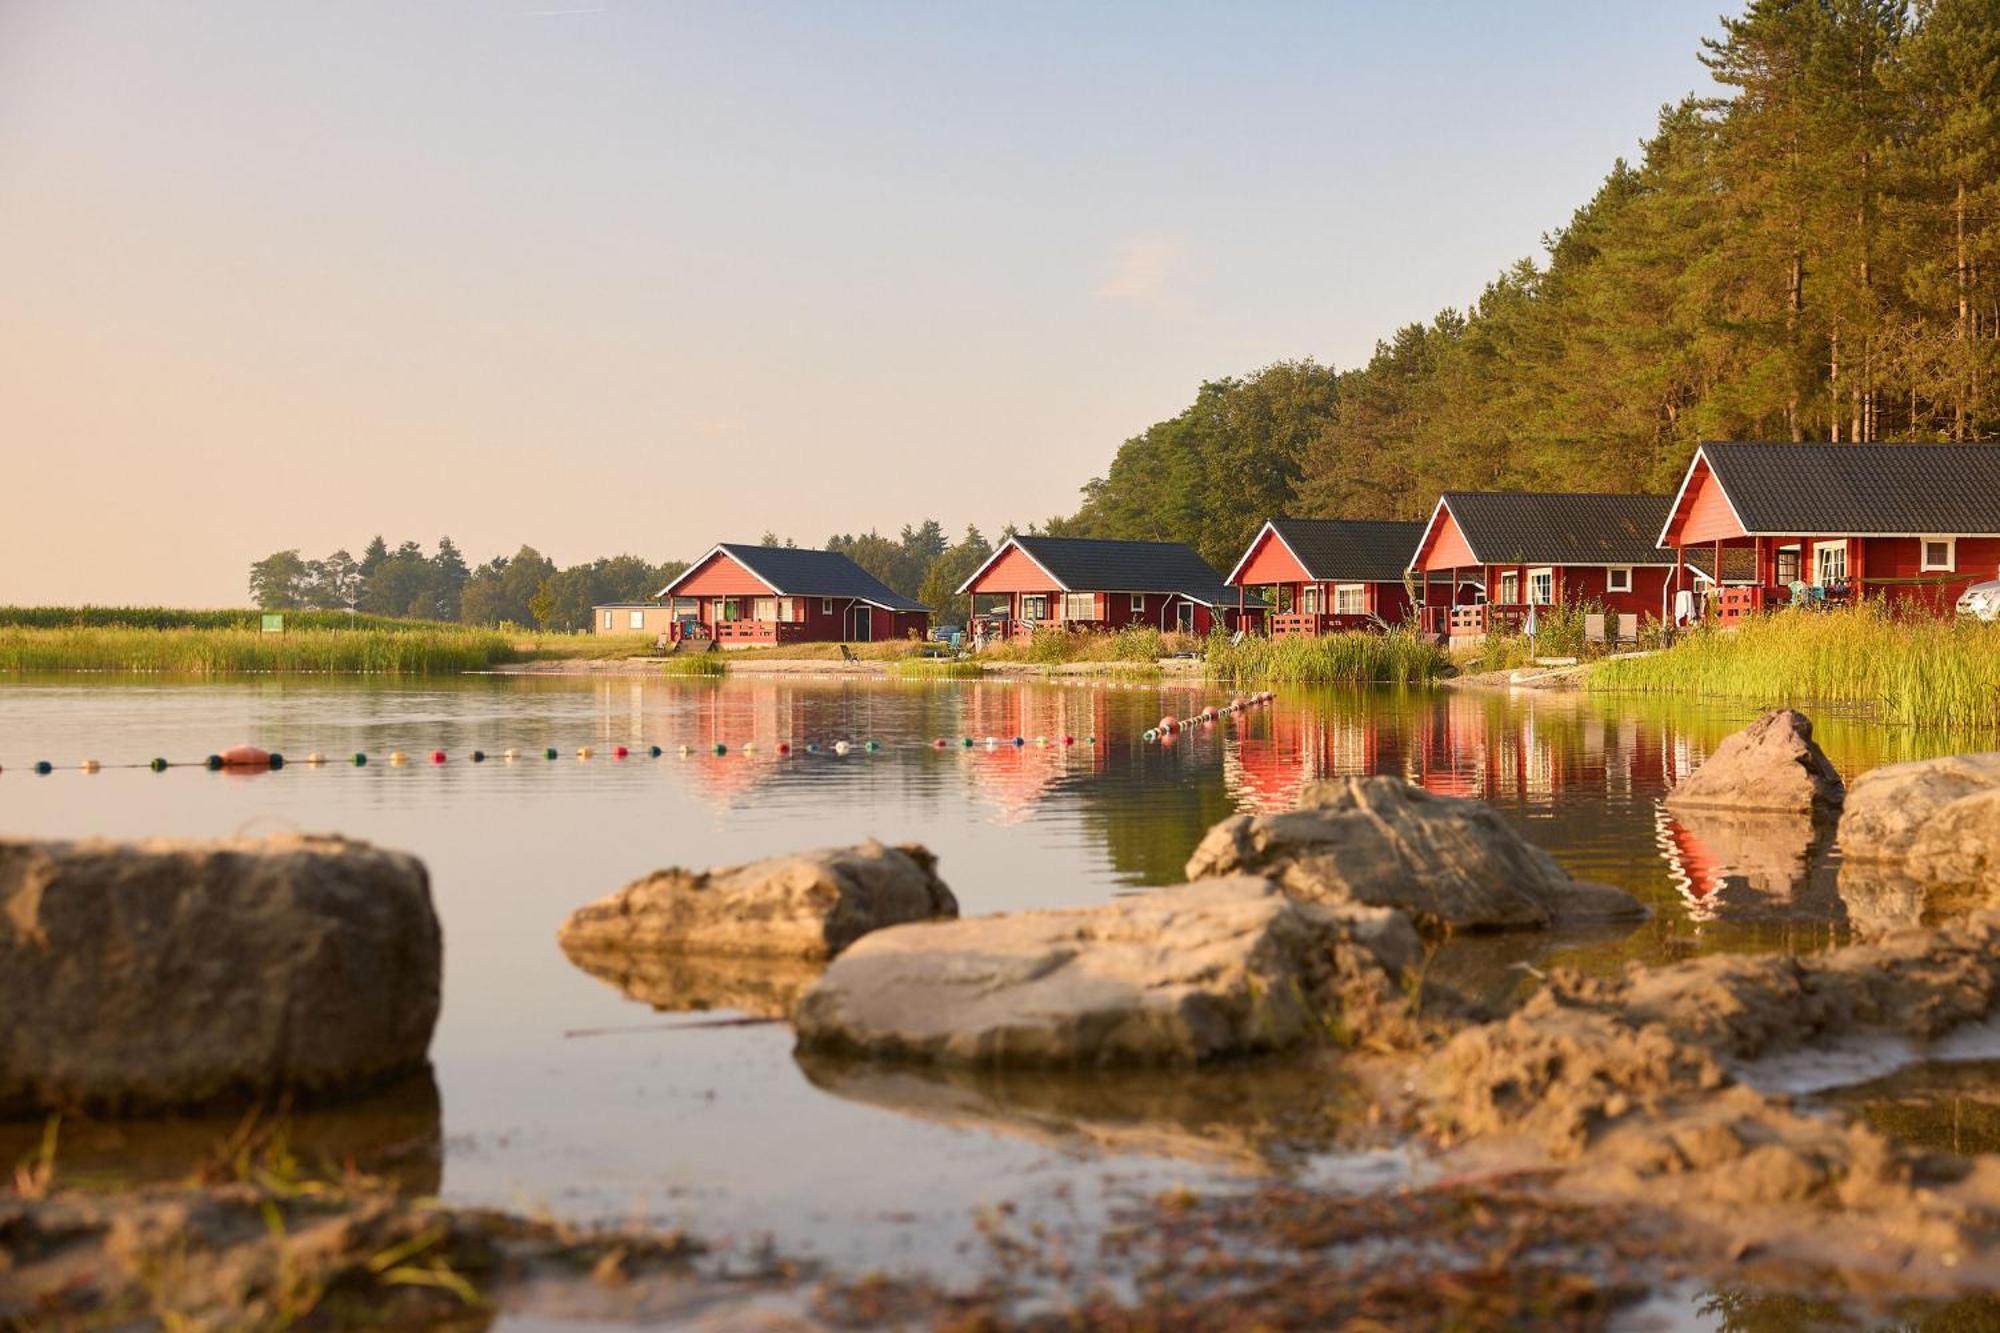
(741, 595)
(1914, 524)
(1488, 558)
(1324, 575)
(1082, 583)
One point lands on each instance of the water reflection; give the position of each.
(692, 983)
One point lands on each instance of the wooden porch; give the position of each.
(1311, 624)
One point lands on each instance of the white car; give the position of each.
(1981, 601)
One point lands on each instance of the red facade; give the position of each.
(735, 607)
(1302, 604)
(1033, 599)
(1452, 576)
(1911, 573)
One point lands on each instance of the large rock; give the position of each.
(1176, 976)
(1960, 844)
(142, 976)
(808, 905)
(1382, 842)
(1771, 766)
(1889, 806)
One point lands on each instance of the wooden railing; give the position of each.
(1311, 623)
(758, 631)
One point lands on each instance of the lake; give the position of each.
(555, 1089)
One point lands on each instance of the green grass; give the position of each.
(949, 668)
(168, 617)
(409, 651)
(695, 664)
(1053, 647)
(1395, 658)
(1916, 672)
(884, 650)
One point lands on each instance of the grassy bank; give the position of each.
(425, 651)
(926, 668)
(695, 664)
(1052, 647)
(171, 617)
(1395, 658)
(1916, 672)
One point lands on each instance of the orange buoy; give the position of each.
(246, 756)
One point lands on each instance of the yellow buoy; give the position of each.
(511, 755)
(90, 765)
(398, 757)
(583, 752)
(315, 758)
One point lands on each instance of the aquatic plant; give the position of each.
(1915, 671)
(1396, 657)
(418, 650)
(932, 668)
(695, 664)
(169, 617)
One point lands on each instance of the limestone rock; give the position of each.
(1771, 766)
(808, 905)
(1960, 844)
(143, 976)
(1176, 976)
(1888, 806)
(1382, 842)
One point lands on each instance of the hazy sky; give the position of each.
(603, 276)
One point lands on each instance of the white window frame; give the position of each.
(1510, 587)
(1798, 555)
(1618, 578)
(1819, 575)
(1546, 575)
(1309, 600)
(1950, 565)
(607, 620)
(826, 606)
(636, 620)
(1040, 604)
(1079, 606)
(1343, 592)
(1137, 606)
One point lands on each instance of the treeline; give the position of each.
(1815, 255)
(526, 588)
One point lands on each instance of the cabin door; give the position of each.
(860, 624)
(1184, 617)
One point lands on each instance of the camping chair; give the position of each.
(1593, 628)
(847, 654)
(1628, 627)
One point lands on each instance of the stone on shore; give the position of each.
(1381, 842)
(1960, 844)
(144, 976)
(1771, 766)
(1177, 976)
(1889, 808)
(808, 905)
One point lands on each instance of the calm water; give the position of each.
(556, 1089)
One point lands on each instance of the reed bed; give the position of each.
(695, 664)
(935, 668)
(171, 617)
(1133, 643)
(1916, 672)
(430, 651)
(1395, 658)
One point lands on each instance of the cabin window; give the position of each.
(1510, 589)
(722, 609)
(1940, 553)
(1034, 608)
(826, 606)
(764, 609)
(637, 620)
(1618, 578)
(1138, 604)
(1542, 587)
(1079, 606)
(1786, 571)
(1829, 563)
(1350, 599)
(607, 620)
(1309, 601)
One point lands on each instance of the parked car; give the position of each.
(1981, 601)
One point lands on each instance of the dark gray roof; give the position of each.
(1544, 528)
(1089, 564)
(1841, 489)
(793, 571)
(1367, 550)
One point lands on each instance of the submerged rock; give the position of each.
(809, 905)
(141, 976)
(1771, 766)
(1381, 842)
(1889, 807)
(1177, 976)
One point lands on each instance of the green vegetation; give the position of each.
(1918, 672)
(887, 650)
(936, 668)
(167, 617)
(1395, 658)
(1133, 643)
(429, 650)
(695, 664)
(1815, 255)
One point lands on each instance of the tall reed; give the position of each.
(1395, 658)
(436, 650)
(1914, 671)
(695, 664)
(171, 617)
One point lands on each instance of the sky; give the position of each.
(607, 276)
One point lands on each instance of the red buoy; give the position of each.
(437, 756)
(621, 752)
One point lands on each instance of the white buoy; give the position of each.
(510, 755)
(841, 747)
(315, 758)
